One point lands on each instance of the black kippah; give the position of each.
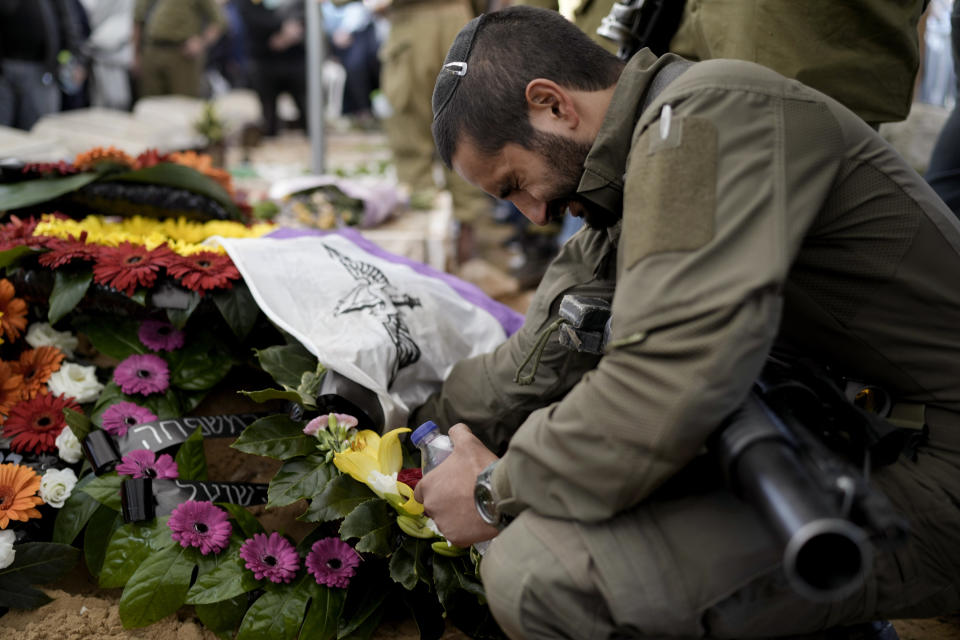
(455, 65)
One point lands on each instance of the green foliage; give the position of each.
(116, 337)
(158, 587)
(323, 617)
(95, 537)
(78, 422)
(372, 522)
(178, 317)
(238, 308)
(228, 580)
(105, 489)
(35, 563)
(75, 512)
(191, 462)
(275, 436)
(69, 287)
(409, 563)
(128, 547)
(12, 256)
(287, 363)
(340, 497)
(201, 363)
(276, 614)
(248, 524)
(17, 195)
(297, 479)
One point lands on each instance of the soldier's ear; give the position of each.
(550, 104)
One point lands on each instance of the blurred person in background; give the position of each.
(352, 32)
(228, 64)
(421, 31)
(110, 48)
(171, 39)
(943, 173)
(275, 32)
(40, 49)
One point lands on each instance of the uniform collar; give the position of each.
(602, 181)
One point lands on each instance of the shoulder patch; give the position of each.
(670, 191)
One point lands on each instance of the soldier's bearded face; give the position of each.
(540, 181)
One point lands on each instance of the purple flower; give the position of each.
(160, 335)
(121, 416)
(320, 422)
(201, 525)
(332, 562)
(273, 557)
(144, 374)
(143, 463)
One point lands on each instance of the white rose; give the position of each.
(68, 446)
(56, 485)
(42, 334)
(7, 553)
(77, 381)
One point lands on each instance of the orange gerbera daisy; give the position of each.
(90, 159)
(10, 384)
(35, 366)
(204, 164)
(14, 310)
(18, 488)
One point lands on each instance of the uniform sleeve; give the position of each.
(213, 14)
(482, 391)
(716, 203)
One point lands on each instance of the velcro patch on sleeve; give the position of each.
(671, 190)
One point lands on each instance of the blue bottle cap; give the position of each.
(421, 432)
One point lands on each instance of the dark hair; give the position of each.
(512, 47)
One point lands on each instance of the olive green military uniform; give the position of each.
(756, 210)
(586, 14)
(864, 53)
(421, 31)
(166, 26)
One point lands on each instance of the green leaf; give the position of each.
(75, 512)
(78, 422)
(165, 405)
(139, 296)
(408, 564)
(69, 287)
(372, 521)
(157, 588)
(286, 363)
(201, 364)
(277, 613)
(178, 317)
(309, 386)
(275, 436)
(223, 617)
(298, 478)
(40, 562)
(15, 594)
(97, 535)
(128, 546)
(228, 580)
(363, 609)
(182, 177)
(116, 337)
(105, 489)
(11, 256)
(190, 459)
(341, 496)
(248, 524)
(27, 192)
(451, 575)
(323, 616)
(238, 308)
(265, 395)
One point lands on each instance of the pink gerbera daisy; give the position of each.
(272, 557)
(201, 525)
(143, 374)
(160, 335)
(143, 463)
(332, 562)
(121, 416)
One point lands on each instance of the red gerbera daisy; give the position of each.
(35, 424)
(203, 271)
(150, 158)
(17, 231)
(129, 265)
(65, 251)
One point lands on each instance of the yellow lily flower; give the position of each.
(375, 461)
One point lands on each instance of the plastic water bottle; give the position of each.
(434, 449)
(434, 446)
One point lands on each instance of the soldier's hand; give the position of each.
(447, 491)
